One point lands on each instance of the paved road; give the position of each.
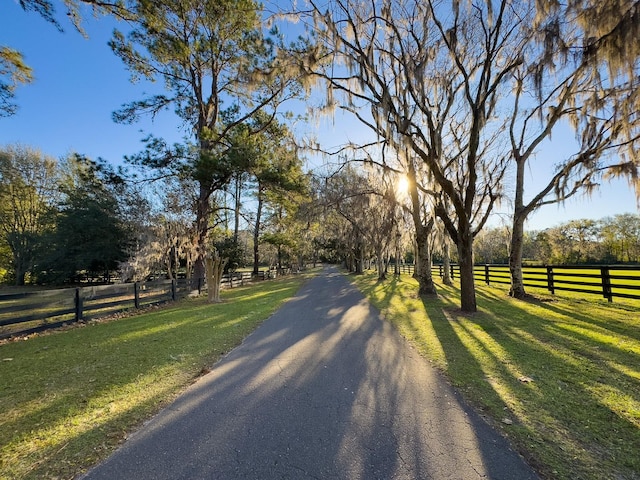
(324, 389)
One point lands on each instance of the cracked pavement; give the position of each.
(323, 389)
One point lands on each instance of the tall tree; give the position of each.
(28, 183)
(219, 69)
(421, 208)
(580, 72)
(347, 193)
(431, 78)
(91, 235)
(276, 170)
(381, 221)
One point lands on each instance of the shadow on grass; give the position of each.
(465, 371)
(565, 372)
(570, 383)
(68, 397)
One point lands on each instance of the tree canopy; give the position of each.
(456, 91)
(214, 58)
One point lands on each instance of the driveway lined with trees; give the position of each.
(459, 96)
(323, 389)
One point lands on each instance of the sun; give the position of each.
(402, 186)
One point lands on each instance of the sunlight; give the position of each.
(402, 186)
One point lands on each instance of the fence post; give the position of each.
(550, 286)
(136, 295)
(199, 285)
(606, 284)
(173, 289)
(78, 305)
(486, 273)
(452, 274)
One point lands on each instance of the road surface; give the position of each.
(323, 389)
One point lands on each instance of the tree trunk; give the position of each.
(189, 260)
(416, 261)
(237, 205)
(20, 273)
(382, 269)
(517, 235)
(359, 258)
(467, 282)
(423, 263)
(214, 268)
(202, 230)
(256, 235)
(446, 264)
(396, 267)
(19, 263)
(169, 262)
(517, 289)
(422, 270)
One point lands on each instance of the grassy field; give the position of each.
(68, 398)
(560, 377)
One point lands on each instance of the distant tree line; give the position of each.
(365, 220)
(75, 219)
(60, 220)
(611, 240)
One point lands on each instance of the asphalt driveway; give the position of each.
(323, 389)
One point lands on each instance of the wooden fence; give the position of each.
(31, 312)
(608, 281)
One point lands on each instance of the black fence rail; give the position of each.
(608, 281)
(236, 279)
(30, 312)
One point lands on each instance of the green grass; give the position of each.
(68, 398)
(579, 417)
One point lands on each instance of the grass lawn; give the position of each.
(560, 377)
(68, 398)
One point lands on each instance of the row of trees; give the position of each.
(463, 95)
(60, 219)
(611, 240)
(64, 220)
(368, 217)
(460, 96)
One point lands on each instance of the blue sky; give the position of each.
(79, 82)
